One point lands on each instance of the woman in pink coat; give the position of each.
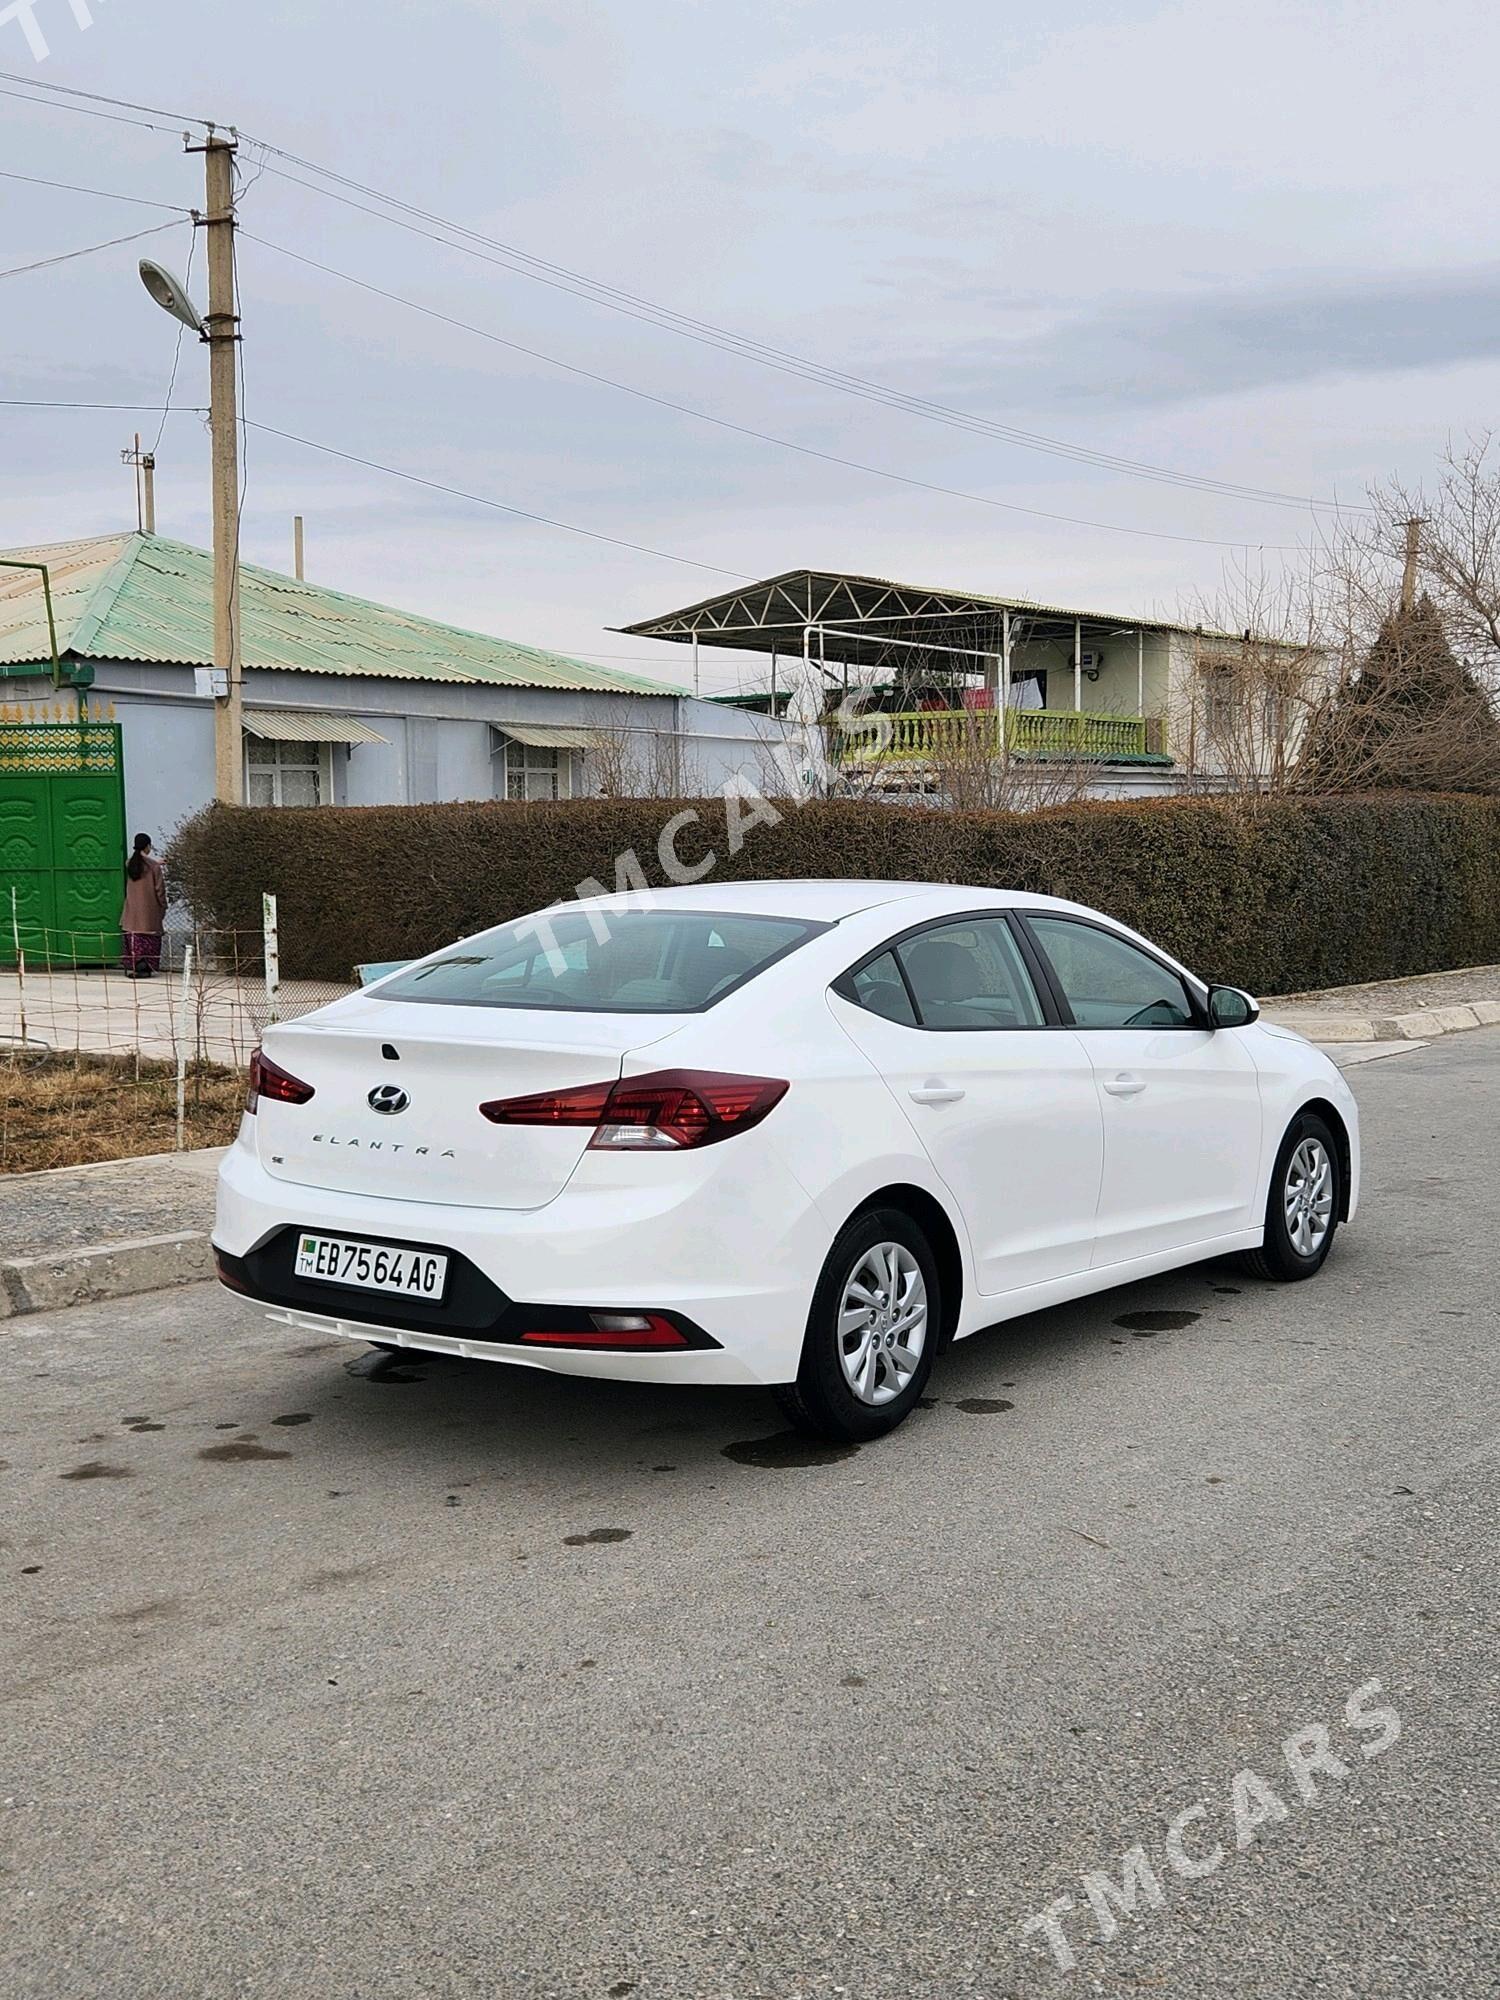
(145, 910)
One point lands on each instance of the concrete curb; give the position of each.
(1423, 1026)
(77, 1276)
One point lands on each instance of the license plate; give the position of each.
(374, 1267)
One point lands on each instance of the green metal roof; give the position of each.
(144, 597)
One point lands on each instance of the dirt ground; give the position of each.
(69, 1110)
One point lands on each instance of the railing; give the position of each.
(946, 735)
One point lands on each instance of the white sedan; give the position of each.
(800, 1134)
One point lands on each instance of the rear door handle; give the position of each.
(933, 1092)
(1125, 1085)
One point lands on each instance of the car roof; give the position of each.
(820, 901)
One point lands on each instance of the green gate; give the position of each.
(62, 842)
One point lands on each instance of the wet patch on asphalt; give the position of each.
(95, 1468)
(787, 1449)
(1144, 1324)
(235, 1451)
(598, 1535)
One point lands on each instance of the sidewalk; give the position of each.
(103, 1232)
(1394, 1010)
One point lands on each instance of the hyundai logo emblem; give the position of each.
(388, 1098)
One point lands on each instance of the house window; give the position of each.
(532, 772)
(287, 774)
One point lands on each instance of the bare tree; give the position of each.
(1457, 544)
(1268, 648)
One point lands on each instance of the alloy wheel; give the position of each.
(1307, 1197)
(882, 1328)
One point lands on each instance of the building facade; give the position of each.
(346, 702)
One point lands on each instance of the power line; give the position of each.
(94, 97)
(54, 104)
(104, 194)
(745, 430)
(483, 500)
(559, 277)
(89, 250)
(151, 409)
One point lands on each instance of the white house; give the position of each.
(346, 702)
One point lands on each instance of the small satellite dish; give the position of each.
(169, 294)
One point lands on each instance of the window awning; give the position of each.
(549, 736)
(285, 725)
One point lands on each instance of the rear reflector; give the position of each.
(267, 1079)
(667, 1111)
(624, 1333)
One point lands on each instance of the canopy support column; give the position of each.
(1078, 666)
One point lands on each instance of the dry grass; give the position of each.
(65, 1111)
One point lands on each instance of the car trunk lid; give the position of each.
(397, 1089)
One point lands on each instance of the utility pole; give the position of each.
(221, 331)
(145, 485)
(1409, 569)
(297, 545)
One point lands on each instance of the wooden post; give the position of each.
(297, 546)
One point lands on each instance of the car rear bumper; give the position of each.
(731, 1260)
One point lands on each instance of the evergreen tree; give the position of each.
(1413, 718)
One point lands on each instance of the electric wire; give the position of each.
(89, 250)
(104, 194)
(525, 264)
(500, 506)
(746, 430)
(166, 408)
(559, 277)
(96, 97)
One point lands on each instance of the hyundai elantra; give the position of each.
(796, 1134)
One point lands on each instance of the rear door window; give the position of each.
(970, 975)
(609, 962)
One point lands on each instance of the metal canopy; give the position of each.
(287, 725)
(778, 612)
(549, 736)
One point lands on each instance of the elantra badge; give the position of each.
(388, 1099)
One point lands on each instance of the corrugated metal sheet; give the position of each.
(144, 597)
(539, 736)
(289, 725)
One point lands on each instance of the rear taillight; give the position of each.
(268, 1079)
(624, 1332)
(672, 1109)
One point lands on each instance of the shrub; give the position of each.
(1272, 894)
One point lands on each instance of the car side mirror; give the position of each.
(1229, 1008)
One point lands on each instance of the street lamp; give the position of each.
(171, 296)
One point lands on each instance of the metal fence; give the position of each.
(97, 1065)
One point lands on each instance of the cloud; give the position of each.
(1167, 350)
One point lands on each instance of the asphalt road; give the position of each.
(468, 1682)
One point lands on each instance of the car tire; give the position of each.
(1303, 1204)
(858, 1382)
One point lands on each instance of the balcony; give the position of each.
(946, 736)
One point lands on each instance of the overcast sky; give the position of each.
(1252, 241)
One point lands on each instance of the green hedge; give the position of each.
(1274, 894)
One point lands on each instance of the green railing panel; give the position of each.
(947, 735)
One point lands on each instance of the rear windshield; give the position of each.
(614, 962)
